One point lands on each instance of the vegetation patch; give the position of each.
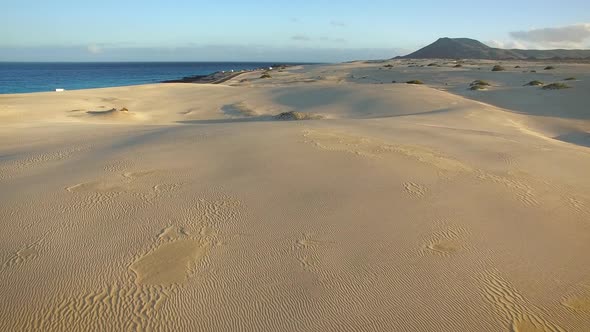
(266, 75)
(415, 82)
(498, 68)
(556, 86)
(388, 66)
(458, 65)
(293, 115)
(480, 82)
(534, 83)
(477, 87)
(433, 65)
(549, 68)
(569, 79)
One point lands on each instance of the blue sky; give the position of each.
(128, 30)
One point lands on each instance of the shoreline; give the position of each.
(215, 76)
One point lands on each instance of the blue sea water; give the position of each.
(22, 77)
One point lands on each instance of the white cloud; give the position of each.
(509, 44)
(571, 36)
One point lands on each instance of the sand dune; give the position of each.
(404, 208)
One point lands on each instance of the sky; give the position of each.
(288, 31)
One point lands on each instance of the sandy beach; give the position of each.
(397, 207)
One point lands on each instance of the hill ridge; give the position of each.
(467, 48)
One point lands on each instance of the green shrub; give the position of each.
(415, 82)
(498, 68)
(458, 65)
(556, 86)
(569, 79)
(479, 82)
(293, 115)
(534, 83)
(477, 87)
(433, 65)
(516, 66)
(549, 68)
(266, 75)
(388, 66)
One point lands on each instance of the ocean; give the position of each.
(23, 77)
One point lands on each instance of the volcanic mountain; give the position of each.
(465, 48)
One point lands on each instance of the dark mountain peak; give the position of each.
(457, 41)
(454, 48)
(467, 48)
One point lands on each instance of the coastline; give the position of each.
(22, 77)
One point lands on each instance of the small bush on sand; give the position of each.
(479, 82)
(266, 75)
(388, 66)
(549, 68)
(293, 115)
(478, 85)
(458, 65)
(534, 83)
(556, 86)
(415, 82)
(516, 66)
(433, 65)
(498, 68)
(533, 71)
(569, 79)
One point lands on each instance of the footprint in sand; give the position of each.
(447, 242)
(521, 190)
(25, 254)
(445, 246)
(415, 190)
(219, 209)
(116, 185)
(170, 263)
(97, 186)
(578, 205)
(171, 233)
(118, 166)
(580, 301)
(306, 250)
(140, 174)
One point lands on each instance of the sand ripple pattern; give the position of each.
(126, 308)
(415, 190)
(12, 168)
(368, 147)
(521, 314)
(158, 277)
(374, 148)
